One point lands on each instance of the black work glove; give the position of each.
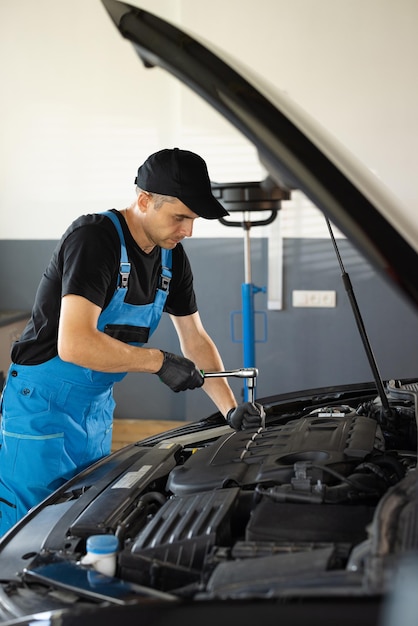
(245, 416)
(179, 373)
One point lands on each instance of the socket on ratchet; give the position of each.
(250, 373)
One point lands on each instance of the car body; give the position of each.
(309, 518)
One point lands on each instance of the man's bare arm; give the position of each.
(81, 343)
(198, 346)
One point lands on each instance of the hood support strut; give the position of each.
(386, 410)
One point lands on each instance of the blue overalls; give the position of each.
(57, 417)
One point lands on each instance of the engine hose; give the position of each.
(344, 479)
(391, 462)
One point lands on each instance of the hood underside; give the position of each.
(297, 153)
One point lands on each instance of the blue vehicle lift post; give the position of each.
(249, 198)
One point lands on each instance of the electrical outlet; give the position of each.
(322, 298)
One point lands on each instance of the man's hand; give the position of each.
(246, 416)
(179, 373)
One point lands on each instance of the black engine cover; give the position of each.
(268, 456)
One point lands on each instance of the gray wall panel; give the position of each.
(306, 347)
(21, 265)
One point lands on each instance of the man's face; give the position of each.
(167, 225)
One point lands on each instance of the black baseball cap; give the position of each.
(184, 175)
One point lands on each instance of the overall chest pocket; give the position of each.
(128, 333)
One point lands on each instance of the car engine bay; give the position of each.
(321, 500)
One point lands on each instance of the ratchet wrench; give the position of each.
(250, 373)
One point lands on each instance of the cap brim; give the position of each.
(205, 206)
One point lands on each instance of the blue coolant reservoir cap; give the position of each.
(102, 544)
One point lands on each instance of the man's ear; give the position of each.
(143, 201)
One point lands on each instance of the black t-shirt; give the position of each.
(86, 263)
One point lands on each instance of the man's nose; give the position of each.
(187, 228)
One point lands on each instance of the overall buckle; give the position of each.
(124, 271)
(165, 279)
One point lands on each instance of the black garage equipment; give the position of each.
(248, 198)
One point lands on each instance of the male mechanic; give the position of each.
(99, 301)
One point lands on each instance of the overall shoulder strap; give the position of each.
(125, 266)
(166, 266)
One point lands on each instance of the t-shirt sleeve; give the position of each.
(181, 298)
(88, 261)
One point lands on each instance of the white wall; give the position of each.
(79, 113)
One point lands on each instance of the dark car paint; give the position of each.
(343, 612)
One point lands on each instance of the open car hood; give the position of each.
(297, 152)
(312, 512)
